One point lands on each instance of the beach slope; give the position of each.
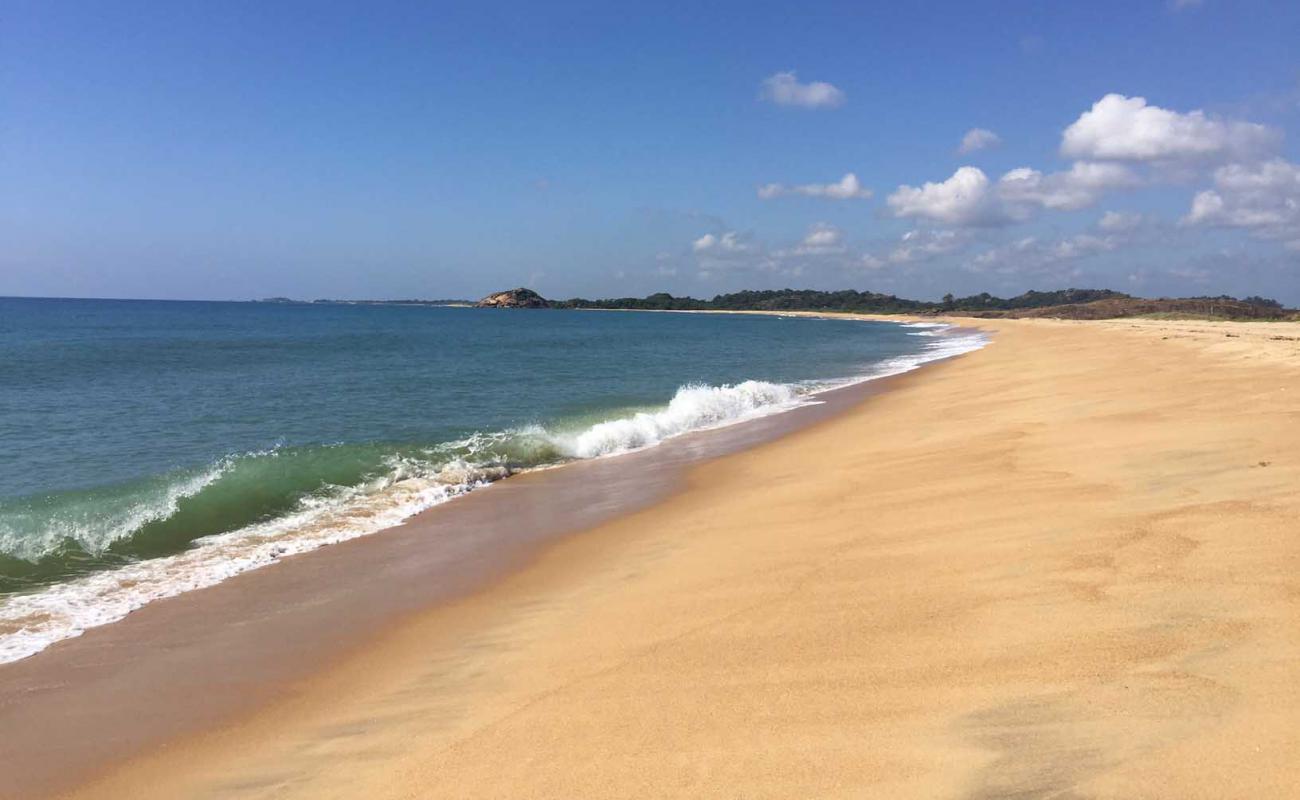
(1067, 565)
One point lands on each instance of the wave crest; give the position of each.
(694, 407)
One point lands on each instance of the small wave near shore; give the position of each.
(98, 560)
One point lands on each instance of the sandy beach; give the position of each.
(1062, 566)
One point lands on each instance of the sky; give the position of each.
(240, 150)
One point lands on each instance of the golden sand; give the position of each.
(1065, 566)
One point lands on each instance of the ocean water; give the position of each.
(151, 448)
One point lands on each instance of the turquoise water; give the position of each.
(147, 447)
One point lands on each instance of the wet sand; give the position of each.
(1067, 566)
(84, 705)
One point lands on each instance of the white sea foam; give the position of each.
(31, 622)
(692, 408)
(946, 343)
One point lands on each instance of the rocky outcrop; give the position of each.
(515, 298)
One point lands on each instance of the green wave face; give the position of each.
(55, 537)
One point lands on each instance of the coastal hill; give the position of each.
(514, 298)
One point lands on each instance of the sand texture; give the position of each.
(1065, 566)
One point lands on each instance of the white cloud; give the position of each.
(784, 89)
(970, 199)
(1081, 245)
(964, 199)
(1080, 187)
(1262, 198)
(822, 240)
(918, 246)
(821, 250)
(847, 188)
(727, 243)
(728, 252)
(999, 257)
(1119, 128)
(923, 245)
(1030, 255)
(1119, 222)
(823, 236)
(978, 139)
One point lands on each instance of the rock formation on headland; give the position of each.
(514, 298)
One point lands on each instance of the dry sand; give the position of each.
(1066, 566)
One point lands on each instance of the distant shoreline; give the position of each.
(285, 301)
(1059, 304)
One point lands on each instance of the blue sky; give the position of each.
(241, 150)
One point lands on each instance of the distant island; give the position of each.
(1061, 304)
(514, 298)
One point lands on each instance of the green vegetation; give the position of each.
(1067, 303)
(844, 300)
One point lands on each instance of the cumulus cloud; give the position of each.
(1120, 128)
(970, 199)
(846, 188)
(822, 249)
(1109, 143)
(916, 247)
(1030, 255)
(726, 243)
(729, 252)
(999, 257)
(822, 242)
(978, 139)
(966, 198)
(1080, 187)
(1262, 198)
(784, 89)
(922, 245)
(1081, 245)
(823, 237)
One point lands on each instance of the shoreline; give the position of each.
(1054, 566)
(478, 547)
(63, 609)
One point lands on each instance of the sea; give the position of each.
(151, 448)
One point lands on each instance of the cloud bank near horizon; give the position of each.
(1119, 146)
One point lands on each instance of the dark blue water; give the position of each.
(136, 431)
